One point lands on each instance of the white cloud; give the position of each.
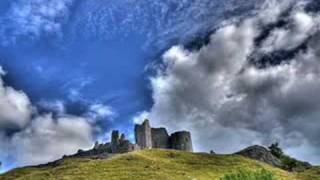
(15, 107)
(98, 111)
(56, 106)
(2, 72)
(140, 117)
(219, 96)
(273, 9)
(29, 138)
(160, 21)
(48, 139)
(303, 25)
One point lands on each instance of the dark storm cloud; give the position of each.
(217, 94)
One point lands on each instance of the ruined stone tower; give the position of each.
(119, 144)
(143, 135)
(148, 137)
(181, 141)
(160, 138)
(115, 141)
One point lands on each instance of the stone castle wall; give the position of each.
(181, 141)
(160, 138)
(115, 141)
(119, 144)
(147, 137)
(143, 135)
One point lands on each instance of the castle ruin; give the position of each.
(143, 135)
(146, 137)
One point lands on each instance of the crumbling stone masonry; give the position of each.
(119, 144)
(160, 138)
(181, 141)
(148, 137)
(143, 135)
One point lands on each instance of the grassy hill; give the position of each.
(311, 174)
(152, 164)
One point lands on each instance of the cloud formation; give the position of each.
(47, 139)
(161, 22)
(57, 106)
(28, 137)
(33, 19)
(15, 107)
(98, 111)
(301, 26)
(218, 94)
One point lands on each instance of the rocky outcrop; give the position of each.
(283, 161)
(260, 153)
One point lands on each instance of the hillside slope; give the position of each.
(150, 164)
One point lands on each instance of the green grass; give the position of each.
(148, 164)
(250, 175)
(311, 174)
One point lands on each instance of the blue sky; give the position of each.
(86, 52)
(84, 67)
(91, 58)
(85, 72)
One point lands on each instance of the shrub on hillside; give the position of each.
(276, 150)
(292, 164)
(288, 163)
(250, 175)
